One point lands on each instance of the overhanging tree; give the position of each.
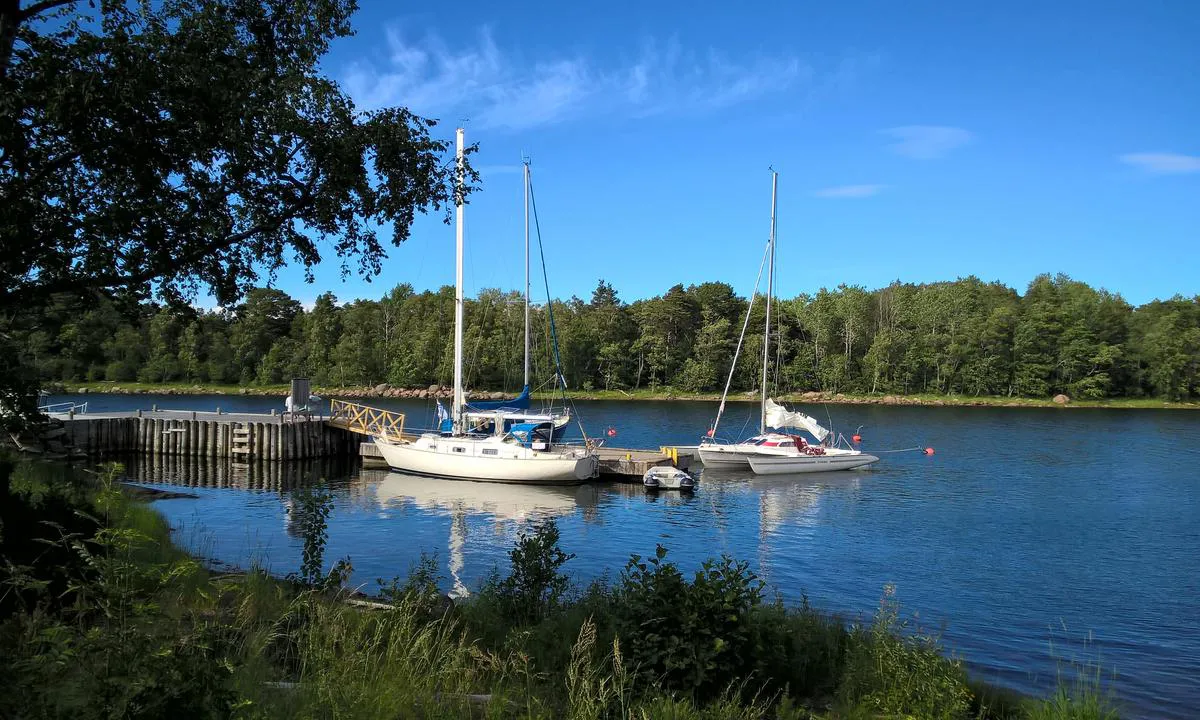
(184, 145)
(180, 146)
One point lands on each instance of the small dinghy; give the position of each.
(665, 477)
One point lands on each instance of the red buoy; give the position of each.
(709, 433)
(612, 432)
(856, 438)
(928, 451)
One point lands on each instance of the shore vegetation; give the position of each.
(962, 342)
(101, 615)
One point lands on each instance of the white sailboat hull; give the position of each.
(488, 460)
(792, 464)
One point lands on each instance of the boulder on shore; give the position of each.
(1061, 399)
(434, 388)
(381, 388)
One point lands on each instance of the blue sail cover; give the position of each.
(520, 402)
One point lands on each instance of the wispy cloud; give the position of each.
(926, 142)
(1162, 163)
(849, 191)
(496, 88)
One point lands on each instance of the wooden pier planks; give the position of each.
(243, 437)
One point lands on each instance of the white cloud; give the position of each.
(849, 191)
(1161, 163)
(926, 142)
(494, 88)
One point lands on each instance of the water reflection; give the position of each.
(999, 546)
(502, 502)
(209, 472)
(783, 500)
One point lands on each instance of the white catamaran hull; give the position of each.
(788, 465)
(724, 456)
(465, 458)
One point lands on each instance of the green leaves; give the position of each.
(688, 636)
(180, 147)
(535, 585)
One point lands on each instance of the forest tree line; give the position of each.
(963, 337)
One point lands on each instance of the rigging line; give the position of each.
(558, 368)
(738, 350)
(473, 361)
(911, 449)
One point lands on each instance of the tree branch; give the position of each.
(40, 7)
(110, 280)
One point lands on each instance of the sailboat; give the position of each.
(520, 452)
(481, 413)
(779, 452)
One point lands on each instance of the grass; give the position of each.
(665, 393)
(146, 631)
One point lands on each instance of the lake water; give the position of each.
(1033, 537)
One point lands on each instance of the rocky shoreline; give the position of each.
(378, 391)
(442, 392)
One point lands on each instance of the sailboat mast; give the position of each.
(526, 165)
(458, 281)
(762, 419)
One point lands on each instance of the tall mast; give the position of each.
(526, 165)
(762, 420)
(458, 282)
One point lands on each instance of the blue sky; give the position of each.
(917, 141)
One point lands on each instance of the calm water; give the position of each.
(1032, 537)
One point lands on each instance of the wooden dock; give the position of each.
(630, 464)
(238, 436)
(260, 437)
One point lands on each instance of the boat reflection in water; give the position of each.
(502, 502)
(785, 500)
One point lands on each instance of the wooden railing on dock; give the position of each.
(366, 420)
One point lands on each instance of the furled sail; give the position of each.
(520, 402)
(779, 416)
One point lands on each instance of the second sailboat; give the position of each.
(776, 453)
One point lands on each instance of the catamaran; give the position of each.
(780, 452)
(518, 452)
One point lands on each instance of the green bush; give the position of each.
(117, 650)
(310, 515)
(890, 672)
(798, 651)
(535, 585)
(685, 636)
